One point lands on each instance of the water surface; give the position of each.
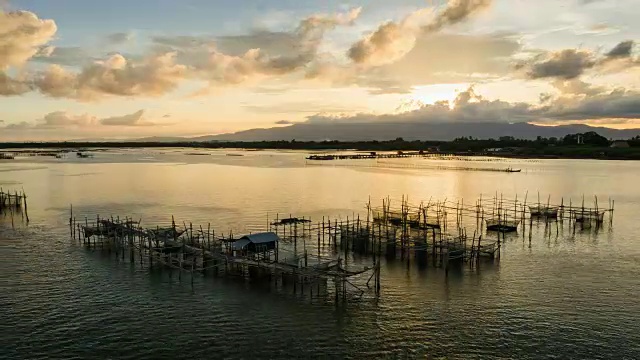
(567, 296)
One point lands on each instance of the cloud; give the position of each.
(452, 58)
(438, 58)
(389, 89)
(18, 126)
(456, 11)
(569, 64)
(622, 50)
(616, 104)
(71, 56)
(261, 54)
(468, 106)
(577, 87)
(134, 119)
(599, 27)
(276, 43)
(392, 40)
(300, 107)
(65, 120)
(23, 36)
(596, 29)
(119, 38)
(565, 64)
(181, 42)
(271, 90)
(62, 119)
(10, 86)
(116, 76)
(620, 59)
(409, 105)
(57, 82)
(392, 59)
(303, 42)
(22, 33)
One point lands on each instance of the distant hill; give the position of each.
(412, 131)
(164, 139)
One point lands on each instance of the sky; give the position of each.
(77, 69)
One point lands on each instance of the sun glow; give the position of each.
(430, 94)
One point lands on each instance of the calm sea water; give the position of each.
(567, 296)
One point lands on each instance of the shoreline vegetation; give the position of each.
(576, 146)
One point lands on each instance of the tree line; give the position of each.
(462, 144)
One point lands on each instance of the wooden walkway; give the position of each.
(372, 155)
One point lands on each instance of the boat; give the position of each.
(289, 221)
(586, 216)
(83, 155)
(502, 225)
(510, 170)
(7, 156)
(544, 211)
(231, 154)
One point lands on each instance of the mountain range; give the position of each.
(407, 131)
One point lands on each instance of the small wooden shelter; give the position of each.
(260, 245)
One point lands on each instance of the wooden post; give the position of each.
(140, 249)
(335, 234)
(26, 211)
(131, 238)
(378, 279)
(71, 230)
(180, 255)
(613, 202)
(123, 236)
(322, 231)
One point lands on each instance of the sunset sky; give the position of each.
(120, 69)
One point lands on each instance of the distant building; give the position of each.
(620, 144)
